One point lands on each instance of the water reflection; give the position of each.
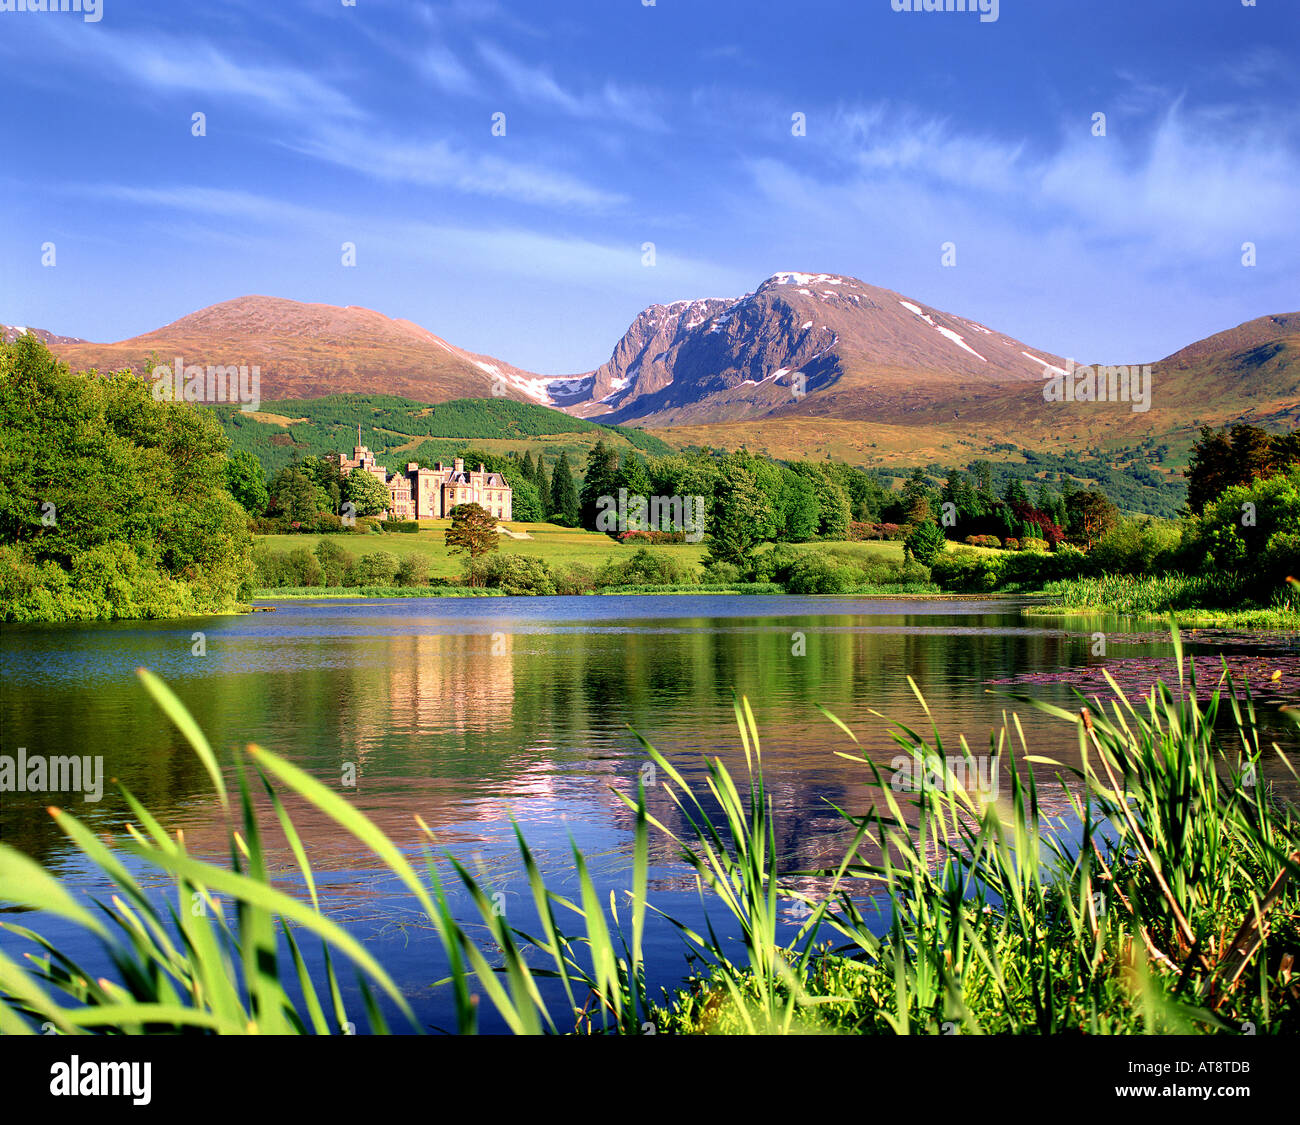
(470, 713)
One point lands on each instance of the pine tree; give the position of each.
(601, 480)
(564, 493)
(543, 487)
(633, 476)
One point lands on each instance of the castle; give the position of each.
(431, 494)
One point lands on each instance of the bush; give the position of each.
(304, 568)
(404, 527)
(334, 562)
(379, 568)
(1031, 544)
(267, 525)
(718, 573)
(653, 537)
(1137, 547)
(967, 572)
(815, 573)
(645, 568)
(516, 575)
(990, 541)
(774, 565)
(574, 579)
(1011, 544)
(893, 532)
(413, 571)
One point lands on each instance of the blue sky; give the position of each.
(669, 124)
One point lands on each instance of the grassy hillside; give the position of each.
(400, 429)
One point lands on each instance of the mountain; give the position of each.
(9, 333)
(795, 337)
(802, 350)
(312, 350)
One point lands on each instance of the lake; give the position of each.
(470, 711)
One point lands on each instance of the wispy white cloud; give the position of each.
(215, 202)
(166, 63)
(572, 261)
(330, 127)
(442, 67)
(536, 84)
(439, 163)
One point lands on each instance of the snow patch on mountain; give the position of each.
(955, 337)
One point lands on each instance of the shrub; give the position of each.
(304, 568)
(1011, 544)
(334, 562)
(1031, 544)
(645, 568)
(516, 575)
(815, 573)
(413, 571)
(718, 573)
(574, 579)
(967, 572)
(774, 565)
(990, 541)
(379, 568)
(267, 525)
(652, 537)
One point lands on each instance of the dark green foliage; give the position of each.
(739, 513)
(334, 561)
(1250, 533)
(1223, 459)
(601, 481)
(365, 493)
(817, 574)
(633, 476)
(543, 485)
(969, 572)
(112, 505)
(925, 543)
(246, 482)
(565, 506)
(801, 508)
(388, 421)
(833, 508)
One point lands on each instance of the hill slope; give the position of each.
(400, 430)
(311, 350)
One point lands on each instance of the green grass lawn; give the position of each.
(556, 545)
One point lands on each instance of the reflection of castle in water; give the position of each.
(462, 681)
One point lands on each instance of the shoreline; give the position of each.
(301, 593)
